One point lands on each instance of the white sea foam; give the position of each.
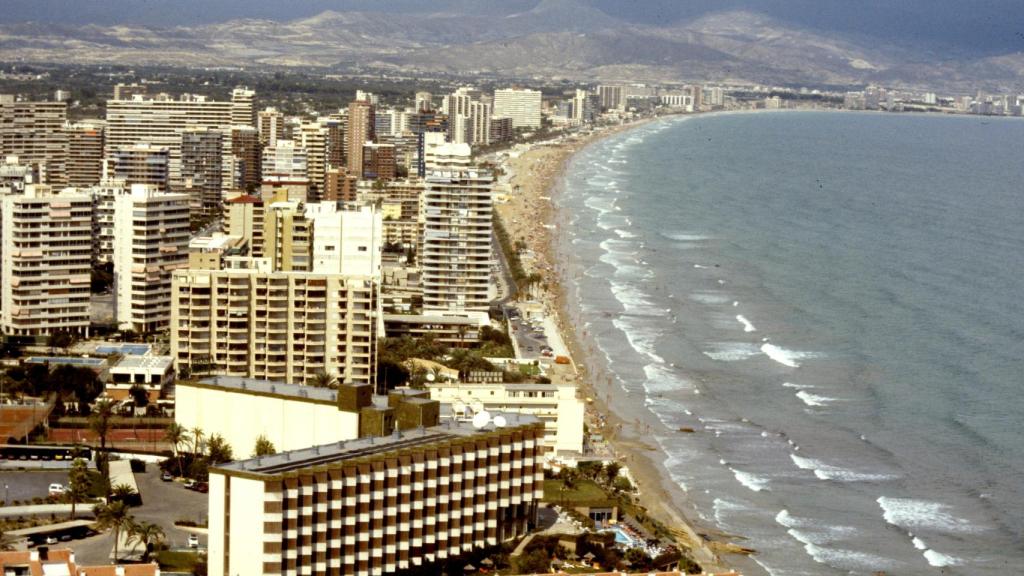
(684, 237)
(618, 246)
(797, 386)
(722, 508)
(709, 298)
(815, 536)
(917, 514)
(661, 378)
(940, 560)
(732, 351)
(750, 481)
(625, 234)
(783, 356)
(642, 337)
(824, 471)
(747, 326)
(814, 400)
(918, 543)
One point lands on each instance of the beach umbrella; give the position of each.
(573, 556)
(469, 568)
(487, 562)
(589, 556)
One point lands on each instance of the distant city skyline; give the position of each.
(980, 27)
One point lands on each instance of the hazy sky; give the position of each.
(980, 26)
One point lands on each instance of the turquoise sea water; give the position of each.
(833, 301)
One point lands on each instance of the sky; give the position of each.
(968, 26)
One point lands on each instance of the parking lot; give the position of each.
(530, 338)
(25, 485)
(162, 503)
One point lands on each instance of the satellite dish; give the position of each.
(430, 376)
(500, 422)
(481, 419)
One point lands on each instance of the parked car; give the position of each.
(51, 540)
(193, 541)
(191, 484)
(167, 477)
(202, 487)
(56, 489)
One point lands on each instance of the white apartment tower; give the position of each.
(457, 255)
(47, 261)
(346, 242)
(242, 110)
(151, 233)
(161, 121)
(286, 161)
(270, 124)
(480, 115)
(35, 133)
(521, 105)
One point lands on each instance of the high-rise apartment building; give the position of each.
(424, 102)
(313, 139)
(360, 131)
(457, 256)
(151, 234)
(160, 121)
(202, 169)
(286, 161)
(611, 97)
(379, 161)
(103, 196)
(35, 133)
(85, 153)
(47, 261)
(378, 505)
(129, 91)
(249, 320)
(480, 116)
(270, 123)
(441, 155)
(244, 218)
(139, 164)
(243, 112)
(287, 236)
(521, 105)
(347, 242)
(247, 152)
(501, 129)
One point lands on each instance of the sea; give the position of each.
(832, 301)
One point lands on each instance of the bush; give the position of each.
(138, 466)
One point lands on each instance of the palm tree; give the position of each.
(99, 422)
(323, 379)
(197, 439)
(114, 516)
(78, 483)
(147, 534)
(175, 436)
(123, 493)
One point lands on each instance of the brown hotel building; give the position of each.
(377, 505)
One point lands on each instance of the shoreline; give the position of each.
(538, 174)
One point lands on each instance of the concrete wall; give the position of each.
(241, 417)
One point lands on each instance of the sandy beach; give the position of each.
(531, 215)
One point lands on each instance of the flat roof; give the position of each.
(70, 360)
(126, 349)
(268, 387)
(162, 363)
(349, 449)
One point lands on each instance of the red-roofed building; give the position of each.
(43, 561)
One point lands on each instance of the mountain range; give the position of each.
(564, 39)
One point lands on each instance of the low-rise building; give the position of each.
(152, 373)
(556, 405)
(377, 505)
(44, 561)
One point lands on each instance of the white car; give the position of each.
(193, 541)
(56, 489)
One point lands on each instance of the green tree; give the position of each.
(175, 435)
(61, 339)
(78, 484)
(622, 484)
(611, 472)
(197, 440)
(218, 450)
(323, 379)
(638, 559)
(533, 562)
(123, 493)
(100, 423)
(146, 534)
(139, 396)
(113, 516)
(264, 447)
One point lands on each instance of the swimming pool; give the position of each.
(621, 537)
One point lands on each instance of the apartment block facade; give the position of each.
(35, 133)
(248, 320)
(377, 505)
(457, 254)
(85, 153)
(151, 235)
(521, 105)
(47, 261)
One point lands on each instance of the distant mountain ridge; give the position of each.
(555, 38)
